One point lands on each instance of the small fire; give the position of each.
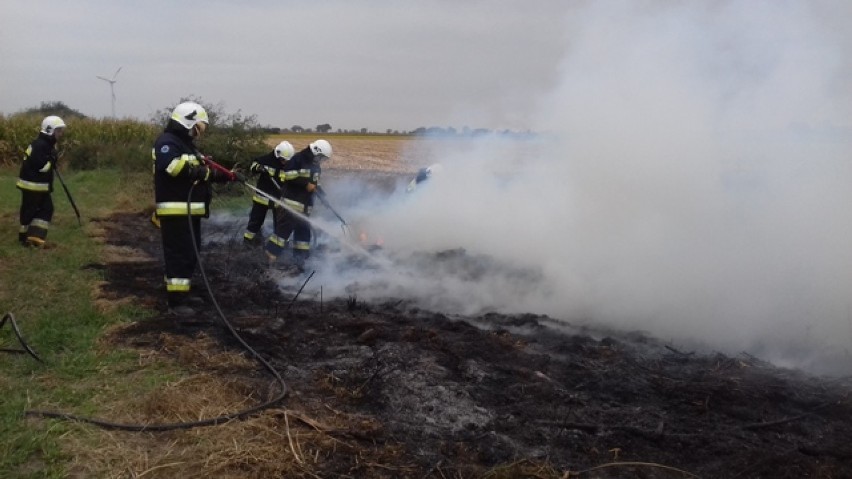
(364, 238)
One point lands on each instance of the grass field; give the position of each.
(50, 293)
(53, 296)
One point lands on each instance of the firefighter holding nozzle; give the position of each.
(181, 170)
(270, 171)
(301, 180)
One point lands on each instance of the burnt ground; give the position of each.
(500, 395)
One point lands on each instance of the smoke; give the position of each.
(692, 178)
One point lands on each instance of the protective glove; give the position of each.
(240, 177)
(218, 176)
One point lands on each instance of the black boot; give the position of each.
(178, 306)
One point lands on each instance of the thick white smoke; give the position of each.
(692, 178)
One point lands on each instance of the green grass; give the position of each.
(49, 292)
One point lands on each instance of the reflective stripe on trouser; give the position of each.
(290, 223)
(176, 285)
(256, 218)
(178, 251)
(275, 245)
(37, 231)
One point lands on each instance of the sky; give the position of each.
(372, 64)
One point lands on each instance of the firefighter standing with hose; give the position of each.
(36, 183)
(270, 168)
(301, 179)
(180, 170)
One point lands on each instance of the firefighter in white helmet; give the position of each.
(270, 171)
(36, 182)
(301, 180)
(423, 174)
(180, 170)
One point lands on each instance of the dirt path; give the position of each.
(404, 392)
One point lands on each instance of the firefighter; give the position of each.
(36, 183)
(301, 180)
(423, 174)
(179, 168)
(270, 169)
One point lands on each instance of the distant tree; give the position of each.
(296, 129)
(324, 128)
(363, 131)
(57, 108)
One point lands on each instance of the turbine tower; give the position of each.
(111, 88)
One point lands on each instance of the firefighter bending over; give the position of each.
(301, 179)
(36, 183)
(179, 167)
(270, 171)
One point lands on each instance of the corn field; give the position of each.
(126, 144)
(87, 143)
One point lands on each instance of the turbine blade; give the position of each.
(116, 73)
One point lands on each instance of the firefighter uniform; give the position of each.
(270, 169)
(179, 172)
(36, 184)
(301, 178)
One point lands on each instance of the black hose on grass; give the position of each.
(191, 424)
(27, 349)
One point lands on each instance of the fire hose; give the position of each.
(11, 319)
(70, 198)
(320, 194)
(233, 176)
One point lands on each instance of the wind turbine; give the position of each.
(111, 88)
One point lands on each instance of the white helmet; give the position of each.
(321, 148)
(433, 169)
(51, 123)
(189, 114)
(284, 150)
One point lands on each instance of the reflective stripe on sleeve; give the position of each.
(177, 165)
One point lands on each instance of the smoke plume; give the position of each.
(691, 177)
